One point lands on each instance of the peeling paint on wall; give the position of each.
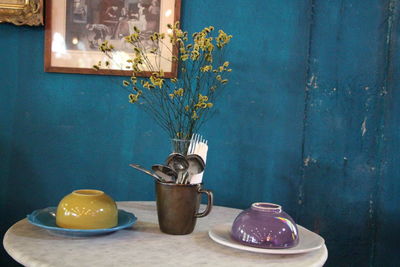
(364, 127)
(309, 160)
(313, 82)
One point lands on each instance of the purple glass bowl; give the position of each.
(265, 225)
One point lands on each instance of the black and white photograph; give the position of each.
(91, 22)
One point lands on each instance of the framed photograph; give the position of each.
(76, 28)
(22, 12)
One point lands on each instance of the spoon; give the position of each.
(196, 166)
(170, 156)
(138, 167)
(165, 172)
(179, 164)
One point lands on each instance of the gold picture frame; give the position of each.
(22, 12)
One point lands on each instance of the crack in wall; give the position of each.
(374, 198)
(300, 197)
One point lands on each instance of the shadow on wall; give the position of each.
(339, 209)
(22, 194)
(263, 178)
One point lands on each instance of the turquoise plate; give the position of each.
(46, 218)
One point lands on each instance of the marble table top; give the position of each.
(143, 245)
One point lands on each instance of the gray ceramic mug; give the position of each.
(178, 206)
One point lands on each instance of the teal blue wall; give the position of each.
(310, 120)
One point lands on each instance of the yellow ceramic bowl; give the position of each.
(87, 209)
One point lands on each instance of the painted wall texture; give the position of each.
(309, 120)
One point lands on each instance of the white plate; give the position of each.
(308, 241)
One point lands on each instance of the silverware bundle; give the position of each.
(198, 146)
(182, 169)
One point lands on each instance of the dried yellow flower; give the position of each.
(206, 68)
(133, 98)
(194, 115)
(184, 57)
(195, 55)
(179, 92)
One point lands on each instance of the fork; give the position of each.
(198, 145)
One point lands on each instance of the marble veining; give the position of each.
(142, 245)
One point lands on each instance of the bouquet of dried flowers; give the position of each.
(182, 105)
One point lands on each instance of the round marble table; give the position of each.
(143, 245)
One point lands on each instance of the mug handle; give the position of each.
(209, 203)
